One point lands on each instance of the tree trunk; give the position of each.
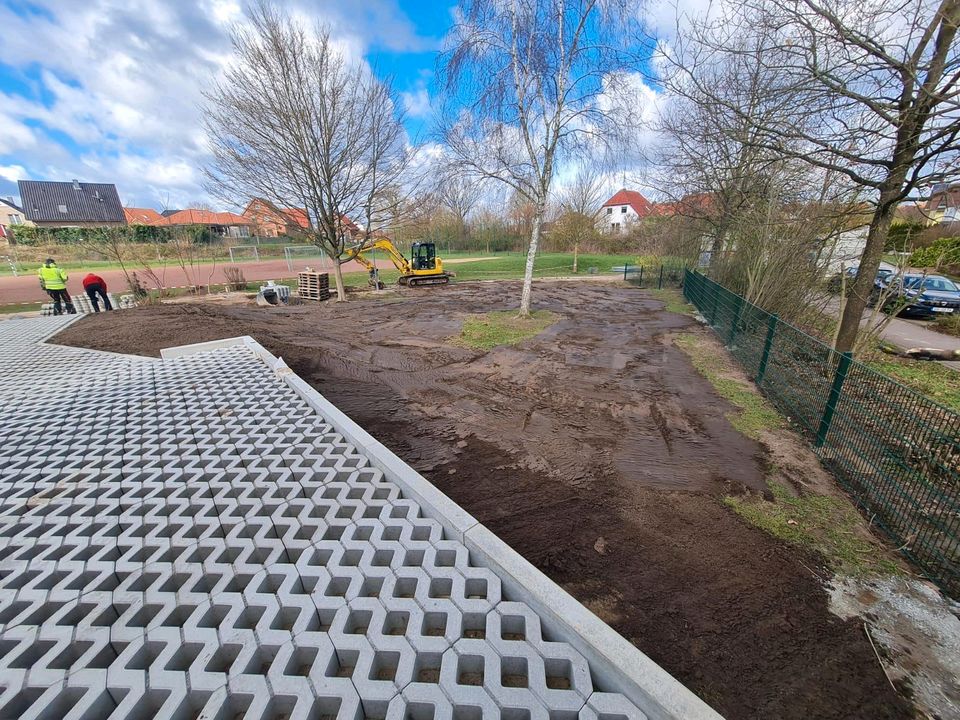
(531, 256)
(862, 285)
(576, 252)
(338, 277)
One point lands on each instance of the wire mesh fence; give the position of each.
(655, 275)
(895, 451)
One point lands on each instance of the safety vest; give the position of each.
(52, 277)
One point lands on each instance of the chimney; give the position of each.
(76, 184)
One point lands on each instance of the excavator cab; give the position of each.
(423, 256)
(423, 267)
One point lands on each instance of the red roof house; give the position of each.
(220, 223)
(623, 209)
(268, 220)
(142, 216)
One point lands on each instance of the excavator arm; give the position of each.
(399, 261)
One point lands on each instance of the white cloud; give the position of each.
(417, 103)
(121, 84)
(12, 173)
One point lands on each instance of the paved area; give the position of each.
(189, 539)
(908, 334)
(914, 333)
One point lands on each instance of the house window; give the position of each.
(623, 209)
(14, 219)
(609, 211)
(62, 208)
(615, 227)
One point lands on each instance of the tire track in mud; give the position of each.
(595, 450)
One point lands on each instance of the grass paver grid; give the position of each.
(187, 538)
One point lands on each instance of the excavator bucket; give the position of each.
(268, 296)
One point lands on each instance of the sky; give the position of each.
(110, 90)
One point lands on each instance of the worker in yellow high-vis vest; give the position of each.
(54, 281)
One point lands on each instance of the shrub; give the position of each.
(235, 278)
(945, 251)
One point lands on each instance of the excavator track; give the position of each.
(429, 280)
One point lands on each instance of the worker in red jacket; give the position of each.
(95, 285)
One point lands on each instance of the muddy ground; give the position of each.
(596, 451)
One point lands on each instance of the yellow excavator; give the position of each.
(423, 267)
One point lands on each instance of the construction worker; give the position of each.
(95, 285)
(54, 281)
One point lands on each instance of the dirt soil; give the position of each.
(596, 451)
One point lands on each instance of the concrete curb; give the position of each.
(617, 664)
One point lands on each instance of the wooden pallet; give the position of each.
(313, 285)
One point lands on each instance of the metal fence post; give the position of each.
(713, 308)
(736, 320)
(767, 346)
(660, 281)
(625, 268)
(839, 376)
(641, 276)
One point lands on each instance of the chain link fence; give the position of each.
(895, 451)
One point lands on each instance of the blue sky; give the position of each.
(109, 90)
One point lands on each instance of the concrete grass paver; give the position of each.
(187, 538)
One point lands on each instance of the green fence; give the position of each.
(895, 451)
(655, 276)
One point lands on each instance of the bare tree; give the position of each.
(527, 81)
(295, 123)
(580, 205)
(458, 193)
(868, 91)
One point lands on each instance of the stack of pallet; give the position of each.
(313, 285)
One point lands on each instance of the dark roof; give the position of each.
(168, 213)
(68, 202)
(11, 203)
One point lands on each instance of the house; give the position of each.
(944, 203)
(622, 210)
(71, 204)
(10, 217)
(222, 224)
(690, 205)
(142, 216)
(268, 220)
(845, 249)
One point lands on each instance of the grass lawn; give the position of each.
(754, 414)
(938, 382)
(18, 308)
(505, 266)
(503, 327)
(673, 300)
(818, 522)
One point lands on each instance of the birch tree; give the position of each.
(529, 82)
(865, 91)
(297, 124)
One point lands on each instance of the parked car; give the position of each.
(920, 295)
(851, 272)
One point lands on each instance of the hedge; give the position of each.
(945, 251)
(31, 236)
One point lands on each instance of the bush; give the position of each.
(904, 236)
(235, 278)
(943, 252)
(133, 234)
